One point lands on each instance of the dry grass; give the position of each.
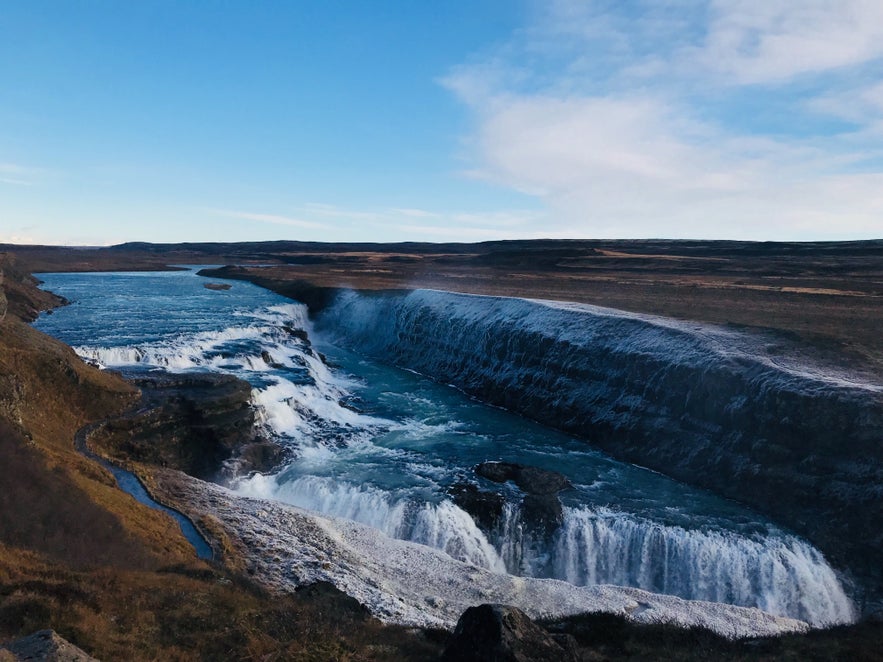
(189, 612)
(116, 578)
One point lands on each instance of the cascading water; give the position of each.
(384, 447)
(601, 546)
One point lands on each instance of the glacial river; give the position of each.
(383, 446)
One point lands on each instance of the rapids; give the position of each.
(383, 446)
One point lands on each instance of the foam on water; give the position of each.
(780, 574)
(441, 525)
(388, 460)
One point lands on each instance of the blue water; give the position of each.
(129, 483)
(383, 446)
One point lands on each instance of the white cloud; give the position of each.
(774, 40)
(275, 219)
(17, 175)
(613, 154)
(18, 238)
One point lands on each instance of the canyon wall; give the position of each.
(749, 416)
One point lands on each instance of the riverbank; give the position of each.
(215, 614)
(110, 575)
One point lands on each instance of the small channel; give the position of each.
(130, 484)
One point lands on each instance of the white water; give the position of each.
(780, 574)
(382, 446)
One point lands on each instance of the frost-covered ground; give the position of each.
(410, 584)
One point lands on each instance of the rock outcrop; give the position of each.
(531, 480)
(20, 296)
(540, 508)
(504, 634)
(199, 423)
(45, 646)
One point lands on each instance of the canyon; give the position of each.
(785, 417)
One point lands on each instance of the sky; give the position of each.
(451, 120)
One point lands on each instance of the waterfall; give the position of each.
(777, 573)
(748, 415)
(441, 525)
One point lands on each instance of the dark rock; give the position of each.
(217, 286)
(542, 513)
(300, 334)
(45, 646)
(194, 422)
(499, 472)
(486, 508)
(531, 480)
(262, 456)
(502, 634)
(265, 356)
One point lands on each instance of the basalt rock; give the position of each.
(541, 510)
(542, 513)
(295, 332)
(486, 508)
(200, 423)
(46, 646)
(503, 634)
(531, 480)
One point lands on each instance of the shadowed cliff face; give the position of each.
(748, 417)
(200, 423)
(19, 295)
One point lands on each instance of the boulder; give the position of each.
(486, 508)
(531, 480)
(501, 633)
(46, 646)
(541, 511)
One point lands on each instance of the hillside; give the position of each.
(112, 576)
(119, 580)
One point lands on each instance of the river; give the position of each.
(385, 446)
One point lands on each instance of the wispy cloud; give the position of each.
(275, 219)
(17, 175)
(334, 211)
(390, 223)
(772, 41)
(435, 224)
(640, 119)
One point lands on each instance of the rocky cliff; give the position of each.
(199, 423)
(749, 416)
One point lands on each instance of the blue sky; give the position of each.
(464, 121)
